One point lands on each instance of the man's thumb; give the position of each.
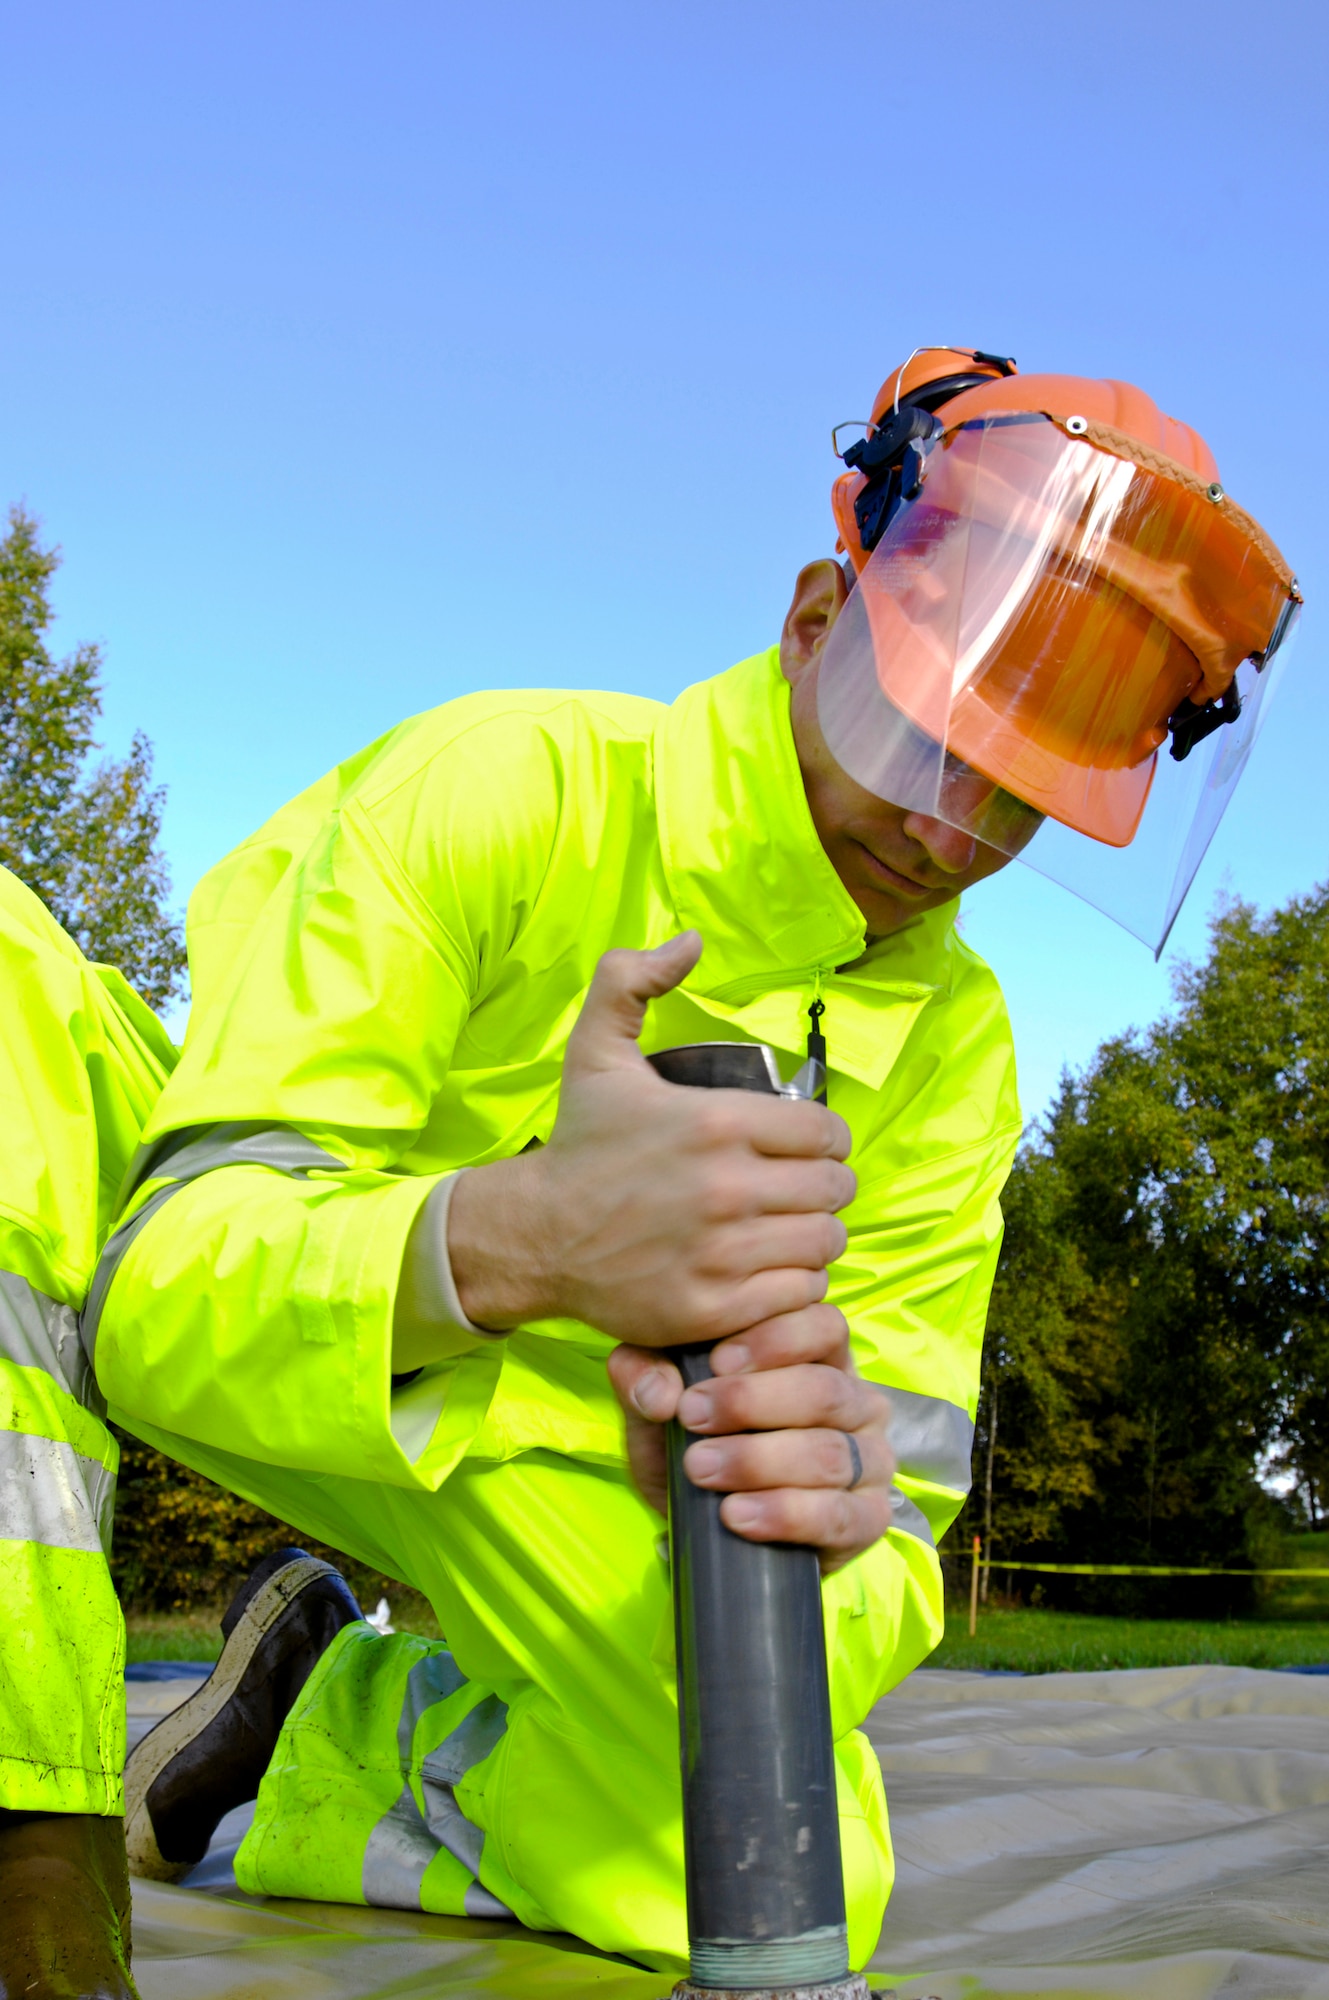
(614, 1009)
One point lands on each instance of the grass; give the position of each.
(1292, 1630)
(172, 1635)
(1051, 1642)
(1283, 1596)
(1029, 1642)
(195, 1634)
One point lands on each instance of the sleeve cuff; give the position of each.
(427, 1299)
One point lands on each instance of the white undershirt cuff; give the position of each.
(429, 1295)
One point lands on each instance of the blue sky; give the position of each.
(358, 357)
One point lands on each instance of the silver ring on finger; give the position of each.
(855, 1460)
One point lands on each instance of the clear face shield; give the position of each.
(1032, 628)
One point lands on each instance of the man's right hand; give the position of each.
(659, 1213)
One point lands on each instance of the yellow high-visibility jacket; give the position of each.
(385, 977)
(82, 1059)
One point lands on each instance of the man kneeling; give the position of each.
(415, 1217)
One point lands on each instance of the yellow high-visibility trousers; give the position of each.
(530, 1763)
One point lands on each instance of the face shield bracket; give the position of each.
(891, 459)
(1193, 721)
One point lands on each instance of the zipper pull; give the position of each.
(817, 1041)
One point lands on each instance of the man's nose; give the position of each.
(947, 848)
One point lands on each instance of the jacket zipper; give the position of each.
(816, 1039)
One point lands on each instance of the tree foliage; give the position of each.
(84, 836)
(181, 1541)
(1160, 1322)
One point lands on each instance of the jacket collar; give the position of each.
(745, 868)
(741, 855)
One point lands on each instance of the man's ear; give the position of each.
(819, 596)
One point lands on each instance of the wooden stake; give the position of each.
(973, 1589)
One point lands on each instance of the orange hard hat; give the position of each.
(969, 383)
(1129, 598)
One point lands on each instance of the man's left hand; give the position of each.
(787, 1430)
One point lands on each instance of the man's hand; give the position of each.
(661, 1214)
(776, 1423)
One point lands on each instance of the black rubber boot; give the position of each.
(64, 1908)
(209, 1756)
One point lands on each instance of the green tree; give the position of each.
(180, 1541)
(1252, 1042)
(1050, 1428)
(85, 837)
(1160, 1322)
(1195, 1396)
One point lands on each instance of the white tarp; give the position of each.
(1161, 1833)
(1085, 1827)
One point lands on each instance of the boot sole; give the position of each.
(150, 1758)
